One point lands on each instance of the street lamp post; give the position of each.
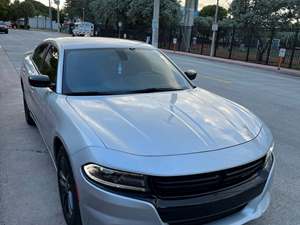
(187, 24)
(214, 29)
(155, 23)
(83, 14)
(120, 24)
(58, 16)
(50, 14)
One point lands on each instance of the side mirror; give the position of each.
(39, 81)
(191, 74)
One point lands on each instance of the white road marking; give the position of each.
(216, 79)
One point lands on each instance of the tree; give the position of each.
(293, 11)
(18, 10)
(14, 10)
(4, 8)
(210, 10)
(259, 13)
(74, 8)
(260, 18)
(26, 10)
(140, 13)
(108, 12)
(136, 15)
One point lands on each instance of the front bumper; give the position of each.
(101, 207)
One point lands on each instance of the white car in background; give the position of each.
(83, 29)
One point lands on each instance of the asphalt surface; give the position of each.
(28, 190)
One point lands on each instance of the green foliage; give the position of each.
(74, 8)
(26, 10)
(140, 13)
(293, 11)
(135, 13)
(14, 10)
(262, 18)
(4, 8)
(206, 22)
(40, 8)
(260, 13)
(106, 11)
(203, 22)
(209, 11)
(29, 8)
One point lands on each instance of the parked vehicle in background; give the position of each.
(3, 27)
(83, 29)
(8, 23)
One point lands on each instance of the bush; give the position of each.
(25, 27)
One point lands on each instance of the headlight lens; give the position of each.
(115, 178)
(269, 155)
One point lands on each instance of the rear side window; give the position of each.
(38, 56)
(50, 64)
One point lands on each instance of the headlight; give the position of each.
(115, 178)
(269, 155)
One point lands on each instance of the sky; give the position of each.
(224, 3)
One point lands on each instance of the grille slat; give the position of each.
(187, 184)
(192, 180)
(196, 185)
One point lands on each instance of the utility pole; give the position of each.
(155, 23)
(214, 29)
(58, 19)
(188, 22)
(83, 14)
(50, 14)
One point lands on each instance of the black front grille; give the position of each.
(202, 184)
(214, 195)
(200, 219)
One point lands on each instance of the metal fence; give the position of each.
(41, 22)
(250, 45)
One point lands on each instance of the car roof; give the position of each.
(97, 42)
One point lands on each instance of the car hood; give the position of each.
(167, 123)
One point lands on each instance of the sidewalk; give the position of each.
(291, 72)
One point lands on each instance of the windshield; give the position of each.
(119, 71)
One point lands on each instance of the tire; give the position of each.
(67, 190)
(6, 32)
(28, 117)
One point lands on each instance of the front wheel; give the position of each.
(67, 190)
(28, 117)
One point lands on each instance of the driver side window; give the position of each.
(50, 64)
(39, 54)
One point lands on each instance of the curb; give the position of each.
(237, 62)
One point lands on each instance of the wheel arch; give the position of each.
(57, 144)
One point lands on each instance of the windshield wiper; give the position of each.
(150, 90)
(147, 90)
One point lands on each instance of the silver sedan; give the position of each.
(134, 142)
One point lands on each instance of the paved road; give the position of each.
(28, 193)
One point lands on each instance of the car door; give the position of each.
(48, 96)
